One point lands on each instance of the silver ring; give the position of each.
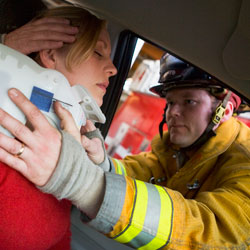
(20, 151)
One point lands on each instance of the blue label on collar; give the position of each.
(41, 98)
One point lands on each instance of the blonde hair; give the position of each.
(89, 27)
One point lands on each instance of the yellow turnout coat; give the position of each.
(203, 205)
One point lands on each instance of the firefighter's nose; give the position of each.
(175, 110)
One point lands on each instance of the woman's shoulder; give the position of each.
(23, 204)
(4, 171)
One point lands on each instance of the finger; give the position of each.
(50, 20)
(43, 45)
(94, 149)
(15, 127)
(13, 162)
(85, 141)
(32, 113)
(59, 27)
(89, 126)
(12, 145)
(50, 35)
(90, 145)
(44, 40)
(67, 121)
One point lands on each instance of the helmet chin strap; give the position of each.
(209, 132)
(163, 121)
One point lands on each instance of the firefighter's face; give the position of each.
(188, 114)
(93, 73)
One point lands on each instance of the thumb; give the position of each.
(67, 121)
(94, 149)
(86, 142)
(89, 126)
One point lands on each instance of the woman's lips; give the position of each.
(103, 86)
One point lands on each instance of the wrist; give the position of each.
(77, 178)
(105, 165)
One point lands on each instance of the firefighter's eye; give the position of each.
(169, 103)
(189, 101)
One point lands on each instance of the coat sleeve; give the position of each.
(142, 167)
(147, 216)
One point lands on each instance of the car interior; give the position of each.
(212, 35)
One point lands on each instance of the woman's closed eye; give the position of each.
(98, 53)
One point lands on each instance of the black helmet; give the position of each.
(175, 73)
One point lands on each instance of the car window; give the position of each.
(139, 111)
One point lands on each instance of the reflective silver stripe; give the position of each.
(112, 205)
(149, 227)
(165, 223)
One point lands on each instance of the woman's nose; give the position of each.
(111, 69)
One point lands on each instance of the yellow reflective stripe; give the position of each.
(138, 215)
(165, 224)
(119, 167)
(123, 169)
(114, 164)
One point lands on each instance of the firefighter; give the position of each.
(190, 192)
(200, 171)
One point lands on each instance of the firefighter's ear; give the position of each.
(48, 58)
(228, 111)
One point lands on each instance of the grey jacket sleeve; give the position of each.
(76, 177)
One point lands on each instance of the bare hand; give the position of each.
(40, 155)
(44, 33)
(92, 146)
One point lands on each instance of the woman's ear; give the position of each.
(228, 111)
(48, 58)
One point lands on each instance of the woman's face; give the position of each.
(93, 73)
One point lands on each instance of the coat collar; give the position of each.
(225, 135)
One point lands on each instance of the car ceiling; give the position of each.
(213, 35)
